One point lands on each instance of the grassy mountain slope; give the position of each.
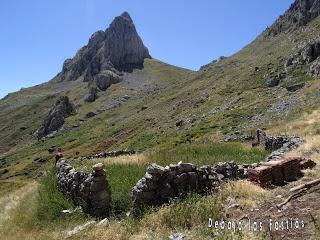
(225, 98)
(168, 114)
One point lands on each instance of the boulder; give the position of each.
(98, 167)
(90, 114)
(310, 52)
(92, 95)
(273, 81)
(105, 79)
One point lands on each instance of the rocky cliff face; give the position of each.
(299, 14)
(119, 48)
(62, 109)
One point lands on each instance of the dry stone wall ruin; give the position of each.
(89, 190)
(279, 145)
(161, 184)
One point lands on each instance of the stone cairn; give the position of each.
(89, 190)
(160, 184)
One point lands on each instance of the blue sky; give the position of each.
(37, 36)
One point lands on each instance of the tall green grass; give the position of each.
(122, 178)
(50, 201)
(208, 154)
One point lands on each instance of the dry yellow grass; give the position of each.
(136, 159)
(307, 126)
(152, 226)
(245, 193)
(15, 208)
(11, 200)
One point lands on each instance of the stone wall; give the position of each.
(89, 190)
(123, 152)
(160, 184)
(278, 144)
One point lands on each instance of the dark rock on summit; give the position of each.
(119, 48)
(299, 14)
(62, 109)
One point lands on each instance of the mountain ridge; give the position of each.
(299, 14)
(160, 105)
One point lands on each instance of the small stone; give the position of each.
(155, 169)
(79, 228)
(104, 222)
(177, 236)
(98, 167)
(186, 167)
(90, 114)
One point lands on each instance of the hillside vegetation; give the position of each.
(166, 114)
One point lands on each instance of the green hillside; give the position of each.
(166, 114)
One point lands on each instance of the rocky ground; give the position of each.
(303, 208)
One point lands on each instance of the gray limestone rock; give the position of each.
(299, 14)
(104, 79)
(54, 120)
(118, 48)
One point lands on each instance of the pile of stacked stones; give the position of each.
(123, 152)
(89, 190)
(160, 184)
(278, 144)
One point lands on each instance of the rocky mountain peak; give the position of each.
(299, 14)
(126, 16)
(118, 48)
(123, 46)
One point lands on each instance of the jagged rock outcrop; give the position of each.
(91, 191)
(54, 120)
(306, 55)
(314, 70)
(119, 48)
(309, 55)
(299, 14)
(124, 47)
